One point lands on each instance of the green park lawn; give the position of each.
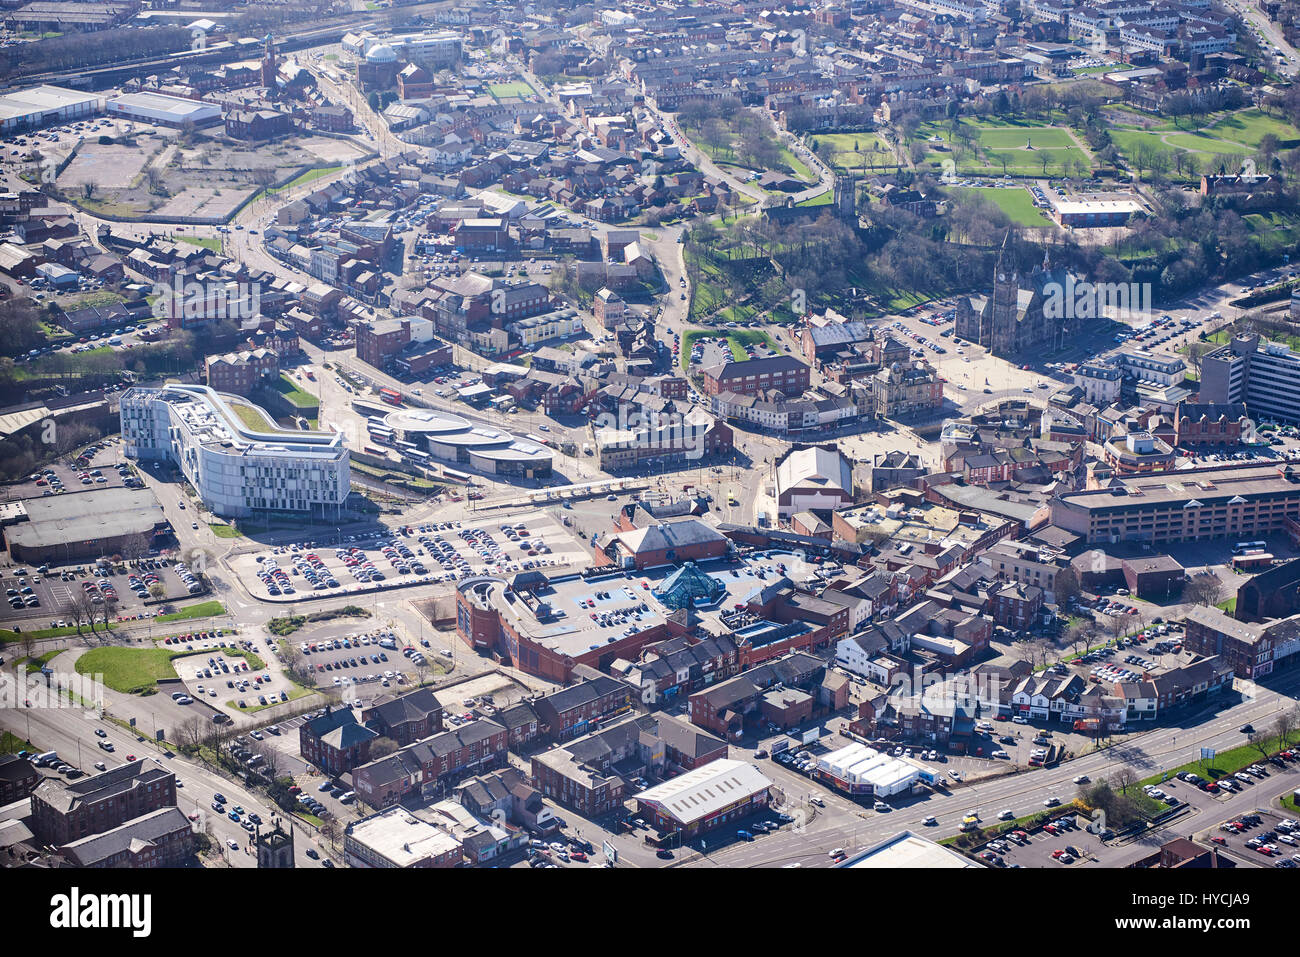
(138, 670)
(853, 151)
(1016, 203)
(1027, 149)
(252, 417)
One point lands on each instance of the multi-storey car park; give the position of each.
(237, 470)
(1189, 505)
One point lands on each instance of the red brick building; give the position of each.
(335, 742)
(162, 838)
(609, 308)
(783, 373)
(573, 711)
(18, 778)
(1209, 423)
(668, 543)
(406, 718)
(239, 373)
(258, 124)
(380, 341)
(66, 811)
(428, 766)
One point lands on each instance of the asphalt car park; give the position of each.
(432, 552)
(215, 675)
(47, 591)
(341, 658)
(1062, 844)
(1262, 837)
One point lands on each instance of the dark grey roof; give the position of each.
(89, 851)
(687, 739)
(575, 696)
(412, 706)
(66, 795)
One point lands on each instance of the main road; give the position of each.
(850, 825)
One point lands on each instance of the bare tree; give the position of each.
(1123, 779)
(1117, 626)
(1203, 589)
(1037, 649)
(1286, 725)
(1259, 741)
(108, 611)
(190, 733)
(1077, 636)
(271, 760)
(84, 610)
(1066, 586)
(329, 829)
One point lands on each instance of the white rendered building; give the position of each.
(237, 471)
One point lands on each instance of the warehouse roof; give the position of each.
(907, 849)
(41, 99)
(697, 794)
(100, 513)
(825, 468)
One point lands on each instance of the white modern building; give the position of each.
(237, 470)
(859, 769)
(162, 110)
(40, 106)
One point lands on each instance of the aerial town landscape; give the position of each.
(821, 434)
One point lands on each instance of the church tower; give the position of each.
(270, 69)
(275, 847)
(1005, 305)
(846, 198)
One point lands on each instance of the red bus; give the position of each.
(391, 396)
(371, 450)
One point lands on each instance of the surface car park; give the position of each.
(45, 592)
(430, 553)
(362, 660)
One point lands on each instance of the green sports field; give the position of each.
(505, 90)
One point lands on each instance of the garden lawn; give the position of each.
(503, 90)
(252, 418)
(1251, 126)
(1016, 203)
(12, 744)
(129, 670)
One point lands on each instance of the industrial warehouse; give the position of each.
(86, 524)
(705, 798)
(44, 106)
